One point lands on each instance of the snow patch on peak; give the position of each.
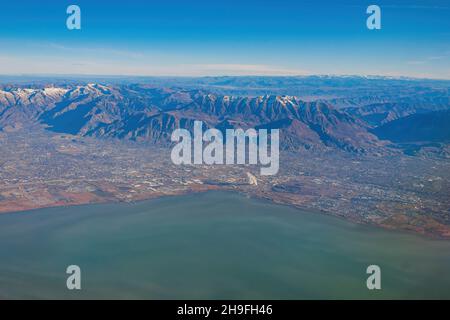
(53, 91)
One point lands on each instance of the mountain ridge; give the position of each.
(150, 114)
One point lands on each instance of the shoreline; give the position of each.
(99, 201)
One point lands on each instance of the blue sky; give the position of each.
(226, 37)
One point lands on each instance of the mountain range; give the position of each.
(151, 114)
(148, 113)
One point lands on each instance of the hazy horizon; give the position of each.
(88, 76)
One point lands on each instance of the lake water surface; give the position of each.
(214, 245)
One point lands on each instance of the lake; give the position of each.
(214, 245)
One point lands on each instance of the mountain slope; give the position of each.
(426, 127)
(381, 113)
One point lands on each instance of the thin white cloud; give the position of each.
(65, 65)
(429, 59)
(148, 66)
